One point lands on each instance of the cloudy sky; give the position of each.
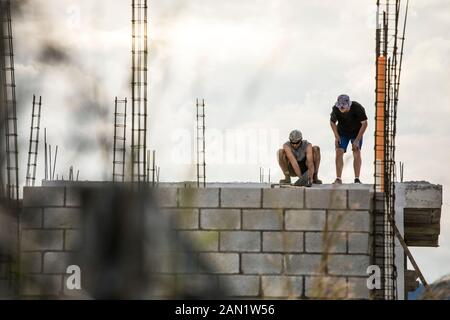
(264, 67)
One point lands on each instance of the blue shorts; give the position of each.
(345, 140)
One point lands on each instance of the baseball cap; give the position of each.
(343, 101)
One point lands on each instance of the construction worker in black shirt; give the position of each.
(351, 121)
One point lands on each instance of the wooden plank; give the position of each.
(422, 215)
(422, 230)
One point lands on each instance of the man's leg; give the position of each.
(357, 161)
(316, 159)
(283, 162)
(339, 162)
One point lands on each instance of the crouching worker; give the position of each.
(299, 158)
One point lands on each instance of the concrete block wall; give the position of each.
(260, 242)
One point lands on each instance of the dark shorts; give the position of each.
(345, 141)
(303, 178)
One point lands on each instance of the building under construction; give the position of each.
(208, 240)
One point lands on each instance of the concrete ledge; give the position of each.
(423, 195)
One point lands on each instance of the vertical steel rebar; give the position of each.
(9, 103)
(139, 90)
(34, 142)
(201, 144)
(119, 147)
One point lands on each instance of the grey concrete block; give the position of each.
(195, 284)
(68, 218)
(302, 264)
(220, 219)
(172, 262)
(262, 263)
(39, 240)
(183, 219)
(348, 265)
(282, 286)
(351, 221)
(240, 285)
(283, 198)
(73, 197)
(423, 195)
(201, 240)
(199, 197)
(162, 286)
(308, 220)
(221, 262)
(240, 198)
(31, 262)
(57, 262)
(31, 218)
(262, 219)
(357, 288)
(359, 199)
(240, 241)
(325, 198)
(41, 285)
(74, 294)
(334, 242)
(324, 287)
(43, 196)
(282, 242)
(72, 240)
(358, 243)
(166, 197)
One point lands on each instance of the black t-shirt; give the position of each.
(349, 122)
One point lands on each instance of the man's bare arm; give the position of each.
(310, 161)
(292, 160)
(363, 128)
